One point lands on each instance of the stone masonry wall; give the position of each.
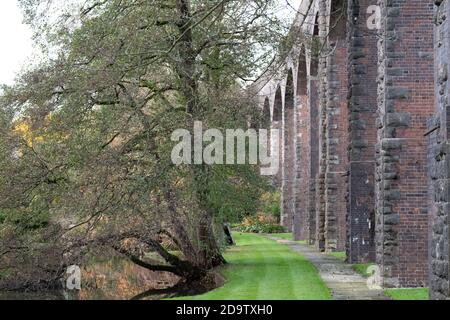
(323, 81)
(303, 123)
(405, 102)
(313, 102)
(362, 102)
(439, 158)
(289, 155)
(336, 130)
(370, 151)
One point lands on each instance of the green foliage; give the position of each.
(271, 203)
(238, 194)
(267, 218)
(259, 224)
(341, 255)
(260, 228)
(4, 273)
(286, 236)
(316, 46)
(24, 219)
(289, 236)
(33, 221)
(99, 112)
(2, 217)
(408, 294)
(362, 268)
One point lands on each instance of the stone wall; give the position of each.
(370, 136)
(362, 104)
(336, 128)
(289, 151)
(405, 102)
(313, 130)
(303, 123)
(439, 158)
(323, 142)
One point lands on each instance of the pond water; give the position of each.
(111, 279)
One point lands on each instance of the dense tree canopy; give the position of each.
(85, 133)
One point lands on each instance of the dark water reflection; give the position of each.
(112, 279)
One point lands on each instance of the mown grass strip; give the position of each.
(262, 269)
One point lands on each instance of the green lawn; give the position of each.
(341, 255)
(287, 236)
(362, 268)
(261, 269)
(407, 294)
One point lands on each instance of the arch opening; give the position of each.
(289, 152)
(278, 106)
(302, 152)
(315, 49)
(265, 124)
(338, 19)
(277, 124)
(302, 77)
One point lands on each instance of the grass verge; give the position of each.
(262, 269)
(362, 268)
(287, 236)
(407, 294)
(341, 255)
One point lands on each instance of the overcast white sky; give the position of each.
(15, 40)
(15, 37)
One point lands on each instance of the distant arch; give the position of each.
(278, 106)
(337, 50)
(315, 48)
(301, 149)
(289, 151)
(265, 123)
(314, 141)
(289, 94)
(338, 19)
(302, 77)
(277, 144)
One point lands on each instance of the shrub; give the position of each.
(260, 224)
(270, 204)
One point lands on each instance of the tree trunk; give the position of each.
(210, 252)
(210, 255)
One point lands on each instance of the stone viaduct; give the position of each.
(363, 104)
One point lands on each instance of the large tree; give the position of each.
(85, 133)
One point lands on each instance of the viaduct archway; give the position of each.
(363, 116)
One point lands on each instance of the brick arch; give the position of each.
(370, 104)
(278, 106)
(289, 150)
(309, 143)
(277, 122)
(266, 117)
(337, 19)
(301, 149)
(313, 130)
(402, 204)
(335, 128)
(315, 47)
(302, 78)
(362, 139)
